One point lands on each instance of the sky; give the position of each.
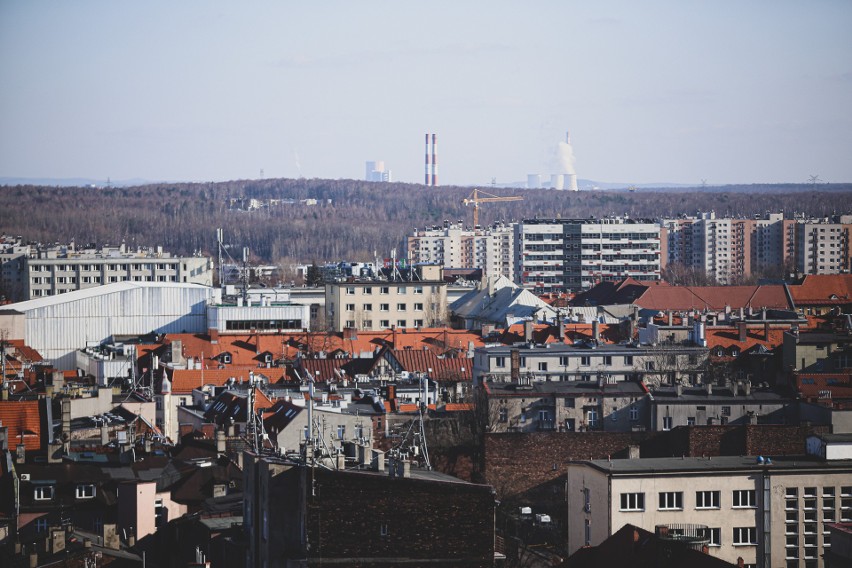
(673, 91)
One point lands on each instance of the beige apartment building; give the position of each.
(30, 271)
(374, 305)
(767, 511)
(490, 249)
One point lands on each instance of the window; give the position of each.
(504, 414)
(667, 422)
(85, 491)
(634, 413)
(713, 536)
(671, 500)
(43, 493)
(350, 290)
(707, 499)
(563, 361)
(745, 536)
(418, 307)
(402, 290)
(341, 431)
(592, 418)
(744, 498)
(542, 365)
(384, 323)
(350, 307)
(418, 289)
(401, 323)
(628, 360)
(384, 290)
(585, 361)
(400, 307)
(649, 365)
(384, 307)
(368, 307)
(632, 502)
(42, 524)
(607, 360)
(726, 411)
(368, 290)
(383, 529)
(690, 420)
(418, 323)
(349, 323)
(499, 361)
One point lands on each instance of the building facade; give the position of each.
(381, 304)
(453, 246)
(555, 255)
(31, 271)
(770, 512)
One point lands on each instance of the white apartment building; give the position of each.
(381, 304)
(554, 255)
(453, 246)
(824, 248)
(41, 272)
(769, 512)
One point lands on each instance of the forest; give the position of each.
(351, 220)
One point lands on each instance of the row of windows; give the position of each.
(564, 361)
(367, 290)
(47, 492)
(99, 267)
(384, 324)
(673, 500)
(418, 307)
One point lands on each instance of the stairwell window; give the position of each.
(632, 502)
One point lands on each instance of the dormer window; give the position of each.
(735, 352)
(225, 358)
(267, 358)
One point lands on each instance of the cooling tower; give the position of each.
(533, 181)
(572, 182)
(557, 181)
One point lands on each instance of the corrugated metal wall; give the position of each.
(57, 330)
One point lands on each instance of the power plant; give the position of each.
(432, 160)
(565, 177)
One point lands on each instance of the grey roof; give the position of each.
(835, 438)
(568, 388)
(715, 464)
(500, 301)
(668, 395)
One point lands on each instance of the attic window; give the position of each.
(267, 358)
(226, 357)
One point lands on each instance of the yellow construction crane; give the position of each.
(476, 200)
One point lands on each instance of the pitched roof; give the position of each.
(443, 369)
(662, 296)
(21, 417)
(823, 290)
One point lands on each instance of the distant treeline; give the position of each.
(351, 220)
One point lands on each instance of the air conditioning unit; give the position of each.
(25, 477)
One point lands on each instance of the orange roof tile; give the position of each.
(729, 337)
(823, 289)
(21, 417)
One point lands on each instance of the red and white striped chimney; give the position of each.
(428, 179)
(434, 160)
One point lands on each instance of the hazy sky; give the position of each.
(652, 91)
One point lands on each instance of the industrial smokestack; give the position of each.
(428, 181)
(434, 160)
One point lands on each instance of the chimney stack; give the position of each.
(742, 331)
(766, 331)
(595, 330)
(434, 160)
(528, 331)
(428, 181)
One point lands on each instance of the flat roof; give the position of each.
(716, 464)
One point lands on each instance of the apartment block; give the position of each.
(373, 305)
(823, 248)
(30, 271)
(767, 511)
(555, 255)
(453, 246)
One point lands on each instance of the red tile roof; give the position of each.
(445, 369)
(823, 290)
(811, 385)
(21, 417)
(729, 337)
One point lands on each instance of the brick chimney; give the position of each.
(742, 331)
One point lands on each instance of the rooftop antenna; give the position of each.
(245, 274)
(254, 428)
